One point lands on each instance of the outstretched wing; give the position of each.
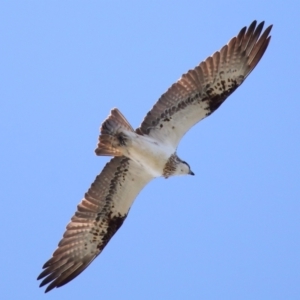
(200, 91)
(99, 215)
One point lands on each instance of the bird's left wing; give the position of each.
(200, 91)
(99, 215)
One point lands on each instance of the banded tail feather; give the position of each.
(112, 134)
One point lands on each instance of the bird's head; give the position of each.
(183, 168)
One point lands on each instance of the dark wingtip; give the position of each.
(49, 288)
(39, 277)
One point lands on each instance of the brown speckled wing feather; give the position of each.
(99, 215)
(200, 91)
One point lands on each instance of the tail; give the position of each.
(112, 134)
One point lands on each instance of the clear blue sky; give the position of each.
(231, 231)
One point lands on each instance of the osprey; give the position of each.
(149, 151)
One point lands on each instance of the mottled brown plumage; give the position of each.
(200, 91)
(98, 217)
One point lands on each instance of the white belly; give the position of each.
(149, 153)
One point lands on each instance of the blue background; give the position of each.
(231, 231)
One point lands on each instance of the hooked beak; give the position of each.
(191, 173)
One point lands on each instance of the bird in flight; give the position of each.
(149, 151)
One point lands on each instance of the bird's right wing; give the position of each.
(200, 91)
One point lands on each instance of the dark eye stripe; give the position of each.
(184, 162)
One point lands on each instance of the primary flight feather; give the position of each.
(149, 151)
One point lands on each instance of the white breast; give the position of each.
(149, 153)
